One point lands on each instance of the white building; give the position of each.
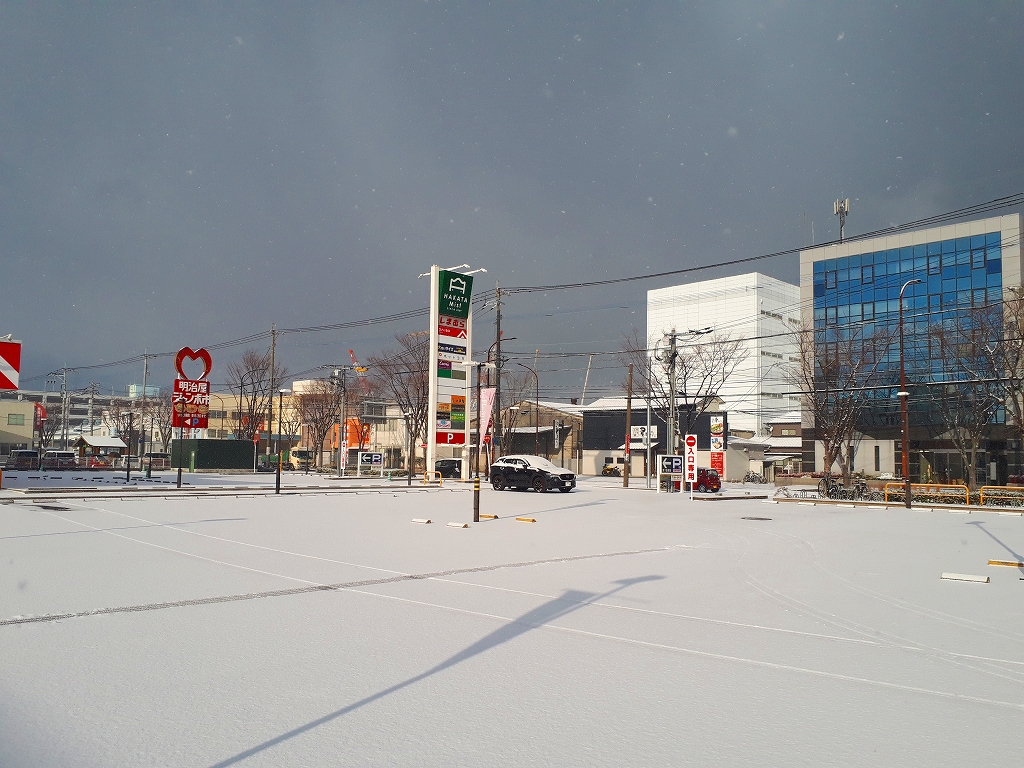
(761, 310)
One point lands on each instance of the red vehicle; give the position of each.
(95, 461)
(708, 481)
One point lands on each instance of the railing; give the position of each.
(1014, 495)
(930, 489)
(427, 479)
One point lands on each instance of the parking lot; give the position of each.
(622, 627)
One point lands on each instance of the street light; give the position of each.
(904, 395)
(536, 415)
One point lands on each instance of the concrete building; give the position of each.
(762, 311)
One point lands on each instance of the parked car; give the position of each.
(60, 460)
(449, 467)
(156, 460)
(523, 472)
(22, 460)
(708, 481)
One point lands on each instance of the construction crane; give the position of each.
(360, 371)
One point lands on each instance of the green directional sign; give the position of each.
(454, 292)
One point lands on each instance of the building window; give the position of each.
(878, 458)
(16, 419)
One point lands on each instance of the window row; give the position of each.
(974, 279)
(911, 252)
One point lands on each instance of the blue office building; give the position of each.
(851, 290)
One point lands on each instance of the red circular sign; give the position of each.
(691, 440)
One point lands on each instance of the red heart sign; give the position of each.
(199, 354)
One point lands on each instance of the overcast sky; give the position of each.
(188, 173)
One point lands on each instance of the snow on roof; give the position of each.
(95, 441)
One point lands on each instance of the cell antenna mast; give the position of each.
(841, 208)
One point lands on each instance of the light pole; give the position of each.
(280, 408)
(407, 416)
(904, 395)
(536, 415)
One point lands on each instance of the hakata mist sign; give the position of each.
(10, 364)
(191, 396)
(451, 348)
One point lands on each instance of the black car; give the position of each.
(449, 467)
(523, 472)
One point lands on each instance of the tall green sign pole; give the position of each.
(451, 347)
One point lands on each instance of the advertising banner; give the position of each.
(191, 404)
(718, 463)
(486, 410)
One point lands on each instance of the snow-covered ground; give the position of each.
(623, 628)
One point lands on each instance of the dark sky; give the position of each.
(187, 173)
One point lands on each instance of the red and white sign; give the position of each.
(451, 438)
(191, 404)
(718, 462)
(690, 455)
(10, 364)
(453, 327)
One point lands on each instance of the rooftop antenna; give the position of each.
(841, 208)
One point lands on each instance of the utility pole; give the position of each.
(496, 443)
(583, 398)
(629, 411)
(647, 456)
(64, 409)
(270, 389)
(841, 208)
(342, 422)
(672, 396)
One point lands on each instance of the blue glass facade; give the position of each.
(862, 292)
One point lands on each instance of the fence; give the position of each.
(943, 493)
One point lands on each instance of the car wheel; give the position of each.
(539, 485)
(702, 488)
(498, 483)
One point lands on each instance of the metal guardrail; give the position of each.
(1001, 492)
(933, 489)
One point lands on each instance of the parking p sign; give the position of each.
(690, 455)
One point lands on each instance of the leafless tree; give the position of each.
(52, 424)
(1006, 359)
(121, 417)
(250, 378)
(701, 368)
(833, 370)
(161, 409)
(517, 389)
(291, 417)
(318, 406)
(970, 392)
(403, 373)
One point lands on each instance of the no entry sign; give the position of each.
(690, 454)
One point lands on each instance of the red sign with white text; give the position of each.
(690, 453)
(191, 404)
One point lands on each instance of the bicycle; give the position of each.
(754, 477)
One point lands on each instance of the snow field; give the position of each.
(821, 636)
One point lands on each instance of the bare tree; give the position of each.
(162, 412)
(121, 418)
(1006, 359)
(701, 369)
(517, 389)
(970, 392)
(318, 407)
(403, 373)
(250, 378)
(834, 368)
(51, 425)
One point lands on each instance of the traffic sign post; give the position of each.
(671, 467)
(690, 453)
